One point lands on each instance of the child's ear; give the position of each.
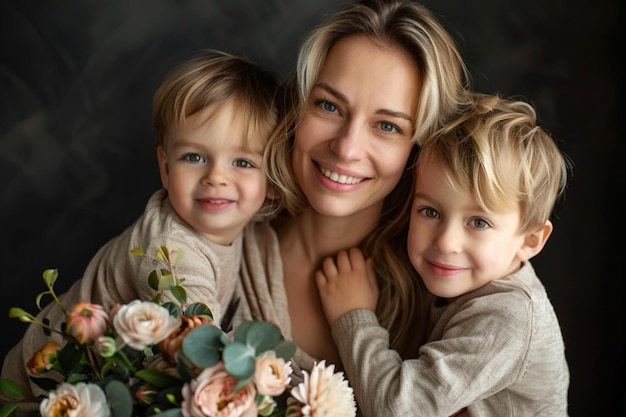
(271, 193)
(534, 242)
(163, 168)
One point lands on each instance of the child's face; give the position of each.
(214, 182)
(454, 244)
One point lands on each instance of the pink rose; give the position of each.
(211, 395)
(86, 322)
(43, 359)
(271, 376)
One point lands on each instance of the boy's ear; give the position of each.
(534, 242)
(163, 168)
(271, 193)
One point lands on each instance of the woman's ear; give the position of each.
(163, 168)
(534, 241)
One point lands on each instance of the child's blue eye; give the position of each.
(194, 158)
(242, 163)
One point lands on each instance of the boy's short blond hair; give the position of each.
(497, 151)
(213, 77)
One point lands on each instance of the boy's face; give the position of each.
(454, 244)
(214, 182)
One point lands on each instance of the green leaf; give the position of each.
(153, 280)
(202, 345)
(10, 389)
(157, 378)
(199, 309)
(172, 308)
(138, 251)
(179, 293)
(263, 336)
(285, 349)
(8, 410)
(239, 360)
(163, 254)
(46, 384)
(68, 358)
(119, 398)
(50, 276)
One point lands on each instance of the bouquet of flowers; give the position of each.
(154, 357)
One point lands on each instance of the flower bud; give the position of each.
(105, 346)
(86, 322)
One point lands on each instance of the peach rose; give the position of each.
(211, 395)
(271, 376)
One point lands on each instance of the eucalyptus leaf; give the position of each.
(285, 349)
(239, 360)
(199, 309)
(120, 399)
(202, 345)
(263, 336)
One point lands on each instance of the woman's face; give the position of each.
(354, 140)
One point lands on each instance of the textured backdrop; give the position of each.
(77, 161)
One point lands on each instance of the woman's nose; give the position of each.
(350, 142)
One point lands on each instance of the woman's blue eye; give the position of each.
(193, 158)
(389, 127)
(326, 105)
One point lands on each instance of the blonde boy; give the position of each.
(485, 189)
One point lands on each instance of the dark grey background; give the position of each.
(77, 161)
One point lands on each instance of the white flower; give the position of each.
(80, 400)
(144, 323)
(325, 393)
(271, 376)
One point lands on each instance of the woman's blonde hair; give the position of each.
(410, 27)
(497, 151)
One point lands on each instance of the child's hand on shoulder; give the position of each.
(346, 284)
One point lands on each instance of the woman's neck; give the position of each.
(317, 236)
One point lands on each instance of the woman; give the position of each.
(372, 81)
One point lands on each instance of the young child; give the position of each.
(484, 192)
(212, 117)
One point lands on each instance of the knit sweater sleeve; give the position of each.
(480, 349)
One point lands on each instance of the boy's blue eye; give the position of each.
(429, 213)
(480, 223)
(193, 158)
(242, 163)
